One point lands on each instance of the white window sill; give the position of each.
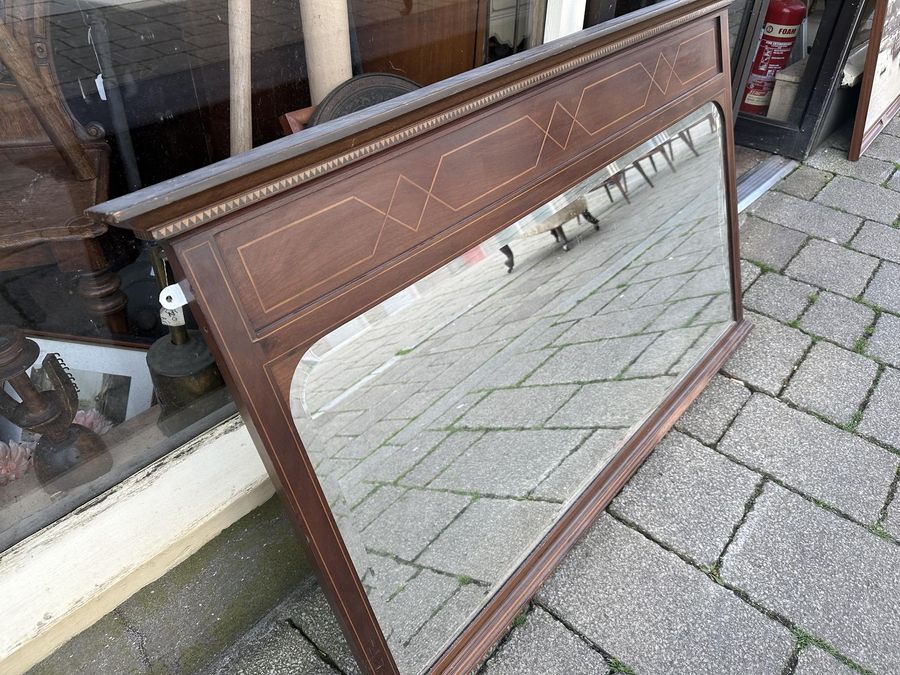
(64, 578)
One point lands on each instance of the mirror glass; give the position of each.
(451, 424)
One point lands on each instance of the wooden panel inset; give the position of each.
(451, 175)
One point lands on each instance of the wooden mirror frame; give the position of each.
(363, 207)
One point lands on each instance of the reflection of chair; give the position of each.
(51, 169)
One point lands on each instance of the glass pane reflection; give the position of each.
(450, 424)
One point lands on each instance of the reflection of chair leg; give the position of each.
(608, 193)
(560, 234)
(588, 216)
(652, 163)
(668, 160)
(686, 137)
(637, 165)
(510, 260)
(619, 180)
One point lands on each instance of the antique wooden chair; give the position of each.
(51, 169)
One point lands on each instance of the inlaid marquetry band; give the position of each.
(263, 192)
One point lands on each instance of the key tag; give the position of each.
(100, 88)
(171, 317)
(98, 81)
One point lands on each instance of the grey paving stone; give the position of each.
(665, 352)
(892, 523)
(809, 217)
(274, 649)
(518, 368)
(833, 268)
(768, 355)
(881, 419)
(710, 414)
(811, 456)
(502, 528)
(544, 645)
(657, 614)
(881, 241)
(600, 360)
(519, 407)
(779, 297)
(866, 168)
(612, 404)
(885, 147)
(838, 319)
(527, 457)
(885, 341)
(688, 497)
(832, 381)
(580, 465)
(749, 274)
(884, 289)
(768, 243)
(106, 647)
(805, 182)
(827, 575)
(862, 198)
(708, 281)
(405, 528)
(814, 661)
(376, 502)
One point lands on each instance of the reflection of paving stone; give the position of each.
(518, 367)
(665, 352)
(612, 404)
(688, 497)
(814, 661)
(833, 267)
(664, 289)
(520, 407)
(613, 324)
(885, 341)
(809, 217)
(372, 506)
(863, 199)
(768, 356)
(403, 458)
(456, 410)
(666, 268)
(809, 455)
(629, 296)
(678, 314)
(403, 614)
(527, 457)
(366, 443)
(832, 382)
(878, 240)
(657, 614)
(581, 465)
(599, 360)
(544, 645)
(406, 527)
(440, 458)
(837, 318)
(882, 416)
(778, 297)
(592, 303)
(489, 537)
(445, 623)
(884, 290)
(822, 573)
(768, 243)
(715, 408)
(709, 281)
(805, 182)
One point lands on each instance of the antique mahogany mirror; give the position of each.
(458, 321)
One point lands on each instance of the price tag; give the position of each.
(172, 317)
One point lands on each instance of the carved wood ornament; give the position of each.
(291, 240)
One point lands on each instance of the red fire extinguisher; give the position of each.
(783, 19)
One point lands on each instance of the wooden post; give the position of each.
(239, 68)
(326, 41)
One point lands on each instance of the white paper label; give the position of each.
(172, 317)
(100, 88)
